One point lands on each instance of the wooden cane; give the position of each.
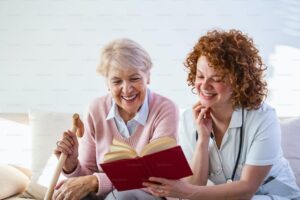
(76, 124)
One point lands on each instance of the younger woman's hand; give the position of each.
(162, 187)
(203, 119)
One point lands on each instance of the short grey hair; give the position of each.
(124, 53)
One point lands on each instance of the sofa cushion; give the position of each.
(12, 181)
(290, 129)
(46, 128)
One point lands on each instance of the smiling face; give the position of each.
(128, 87)
(212, 89)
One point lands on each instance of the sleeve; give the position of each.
(166, 121)
(266, 146)
(187, 134)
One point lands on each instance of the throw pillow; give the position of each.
(12, 181)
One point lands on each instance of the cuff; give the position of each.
(76, 172)
(104, 184)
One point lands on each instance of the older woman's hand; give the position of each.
(69, 146)
(75, 188)
(162, 187)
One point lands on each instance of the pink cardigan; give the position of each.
(162, 120)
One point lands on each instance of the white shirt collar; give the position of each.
(236, 118)
(140, 117)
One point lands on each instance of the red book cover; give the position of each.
(129, 174)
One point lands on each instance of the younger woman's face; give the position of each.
(212, 89)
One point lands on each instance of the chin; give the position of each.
(206, 103)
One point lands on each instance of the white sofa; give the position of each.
(28, 141)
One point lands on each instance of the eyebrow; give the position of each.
(135, 74)
(216, 75)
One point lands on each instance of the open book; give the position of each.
(160, 158)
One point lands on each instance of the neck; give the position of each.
(221, 117)
(222, 114)
(125, 115)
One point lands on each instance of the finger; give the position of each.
(201, 115)
(158, 192)
(207, 113)
(146, 184)
(60, 183)
(162, 181)
(73, 137)
(62, 148)
(70, 137)
(197, 108)
(197, 111)
(153, 192)
(54, 195)
(198, 103)
(154, 187)
(66, 139)
(60, 196)
(67, 143)
(58, 150)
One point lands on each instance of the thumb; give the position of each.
(60, 184)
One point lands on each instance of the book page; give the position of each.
(158, 145)
(120, 143)
(119, 150)
(118, 155)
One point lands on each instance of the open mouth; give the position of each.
(207, 94)
(129, 98)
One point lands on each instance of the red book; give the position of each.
(127, 174)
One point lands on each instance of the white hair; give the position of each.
(123, 53)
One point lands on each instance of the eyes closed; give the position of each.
(118, 81)
(214, 78)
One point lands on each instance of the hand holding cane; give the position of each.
(77, 123)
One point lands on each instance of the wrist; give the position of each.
(70, 166)
(203, 141)
(194, 191)
(93, 180)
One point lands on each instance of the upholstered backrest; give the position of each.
(290, 143)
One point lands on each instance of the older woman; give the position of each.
(130, 113)
(235, 138)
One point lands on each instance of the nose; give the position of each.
(203, 84)
(127, 87)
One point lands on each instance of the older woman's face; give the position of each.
(128, 88)
(212, 90)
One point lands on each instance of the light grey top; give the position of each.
(261, 146)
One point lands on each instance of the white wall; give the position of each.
(49, 49)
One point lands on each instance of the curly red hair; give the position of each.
(233, 55)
